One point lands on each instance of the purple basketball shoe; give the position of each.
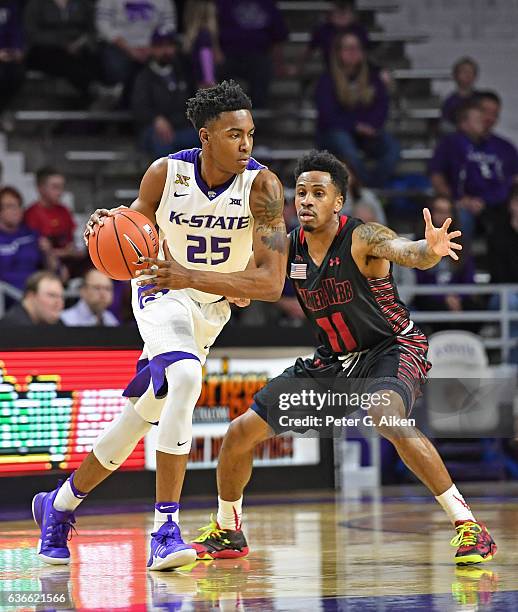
(168, 550)
(55, 528)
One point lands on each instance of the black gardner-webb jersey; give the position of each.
(348, 311)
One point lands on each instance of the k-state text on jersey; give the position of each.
(210, 221)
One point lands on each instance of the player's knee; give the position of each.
(185, 375)
(120, 437)
(240, 435)
(386, 417)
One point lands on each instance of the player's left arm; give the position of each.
(376, 240)
(265, 280)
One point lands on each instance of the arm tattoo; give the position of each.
(267, 209)
(384, 243)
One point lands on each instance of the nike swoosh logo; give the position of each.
(113, 463)
(182, 443)
(179, 195)
(162, 508)
(138, 252)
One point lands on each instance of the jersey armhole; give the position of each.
(167, 184)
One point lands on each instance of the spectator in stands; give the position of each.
(447, 272)
(352, 104)
(22, 250)
(42, 302)
(60, 34)
(363, 202)
(51, 218)
(475, 168)
(96, 296)
(159, 97)
(201, 40)
(465, 73)
(11, 51)
(503, 254)
(251, 37)
(341, 19)
(491, 105)
(125, 30)
(503, 244)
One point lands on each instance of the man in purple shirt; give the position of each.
(475, 167)
(22, 251)
(251, 34)
(352, 104)
(11, 51)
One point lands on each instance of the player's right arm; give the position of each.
(147, 202)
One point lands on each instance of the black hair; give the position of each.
(207, 104)
(323, 161)
(42, 174)
(488, 94)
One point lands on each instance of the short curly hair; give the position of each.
(207, 104)
(323, 161)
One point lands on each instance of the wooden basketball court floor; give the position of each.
(321, 551)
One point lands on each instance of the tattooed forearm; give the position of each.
(384, 243)
(274, 238)
(266, 204)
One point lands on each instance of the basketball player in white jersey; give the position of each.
(214, 206)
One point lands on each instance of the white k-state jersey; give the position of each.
(206, 229)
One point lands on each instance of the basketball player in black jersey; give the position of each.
(341, 270)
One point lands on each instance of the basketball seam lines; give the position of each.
(121, 249)
(97, 249)
(139, 229)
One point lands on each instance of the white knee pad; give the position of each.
(120, 437)
(184, 380)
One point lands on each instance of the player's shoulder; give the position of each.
(267, 181)
(267, 192)
(265, 177)
(189, 156)
(254, 165)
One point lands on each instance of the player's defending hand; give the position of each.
(163, 273)
(96, 218)
(438, 238)
(241, 302)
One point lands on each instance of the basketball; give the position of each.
(116, 246)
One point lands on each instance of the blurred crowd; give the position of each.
(149, 56)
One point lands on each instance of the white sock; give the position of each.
(454, 505)
(68, 497)
(164, 510)
(230, 513)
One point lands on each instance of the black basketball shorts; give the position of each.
(398, 364)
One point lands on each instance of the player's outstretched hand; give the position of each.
(96, 218)
(438, 238)
(163, 273)
(241, 302)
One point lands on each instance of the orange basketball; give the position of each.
(118, 243)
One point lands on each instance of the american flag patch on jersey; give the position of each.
(298, 271)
